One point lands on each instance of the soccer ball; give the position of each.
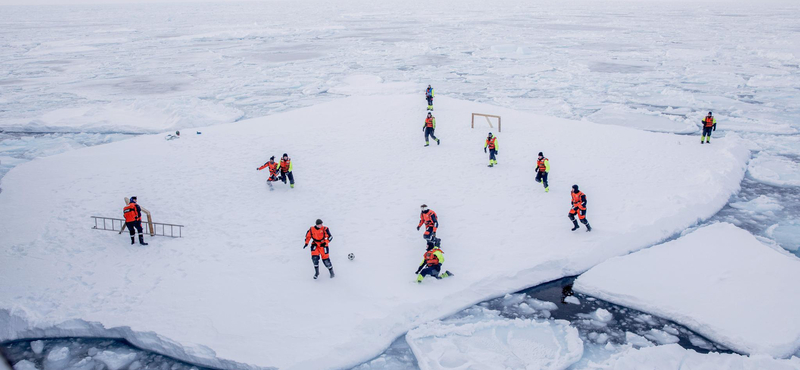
(351, 256)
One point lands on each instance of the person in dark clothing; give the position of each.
(429, 97)
(133, 220)
(428, 128)
(579, 208)
(542, 170)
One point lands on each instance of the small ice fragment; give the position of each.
(573, 300)
(37, 347)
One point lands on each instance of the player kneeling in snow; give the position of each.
(273, 171)
(321, 236)
(432, 263)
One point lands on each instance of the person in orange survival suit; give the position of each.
(428, 128)
(133, 220)
(579, 207)
(286, 170)
(273, 171)
(321, 236)
(709, 124)
(428, 217)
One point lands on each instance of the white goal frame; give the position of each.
(499, 121)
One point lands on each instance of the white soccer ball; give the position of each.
(351, 256)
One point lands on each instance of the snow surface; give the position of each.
(674, 357)
(719, 281)
(238, 286)
(496, 344)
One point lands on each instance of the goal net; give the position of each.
(489, 118)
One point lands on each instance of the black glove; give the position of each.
(417, 228)
(484, 149)
(536, 169)
(715, 128)
(496, 152)
(418, 270)
(305, 245)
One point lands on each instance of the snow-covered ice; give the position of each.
(361, 167)
(719, 281)
(496, 344)
(674, 357)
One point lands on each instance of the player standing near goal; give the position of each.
(321, 237)
(542, 170)
(429, 97)
(579, 207)
(273, 171)
(429, 127)
(491, 143)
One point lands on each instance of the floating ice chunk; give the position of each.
(115, 360)
(661, 337)
(37, 347)
(675, 357)
(497, 344)
(572, 300)
(647, 319)
(542, 305)
(641, 119)
(601, 338)
(57, 359)
(85, 363)
(25, 365)
(637, 340)
(787, 234)
(513, 299)
(761, 204)
(602, 315)
(700, 343)
(775, 170)
(715, 263)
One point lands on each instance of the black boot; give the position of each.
(331, 271)
(575, 227)
(316, 272)
(133, 240)
(588, 228)
(141, 240)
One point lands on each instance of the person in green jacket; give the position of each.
(542, 170)
(432, 263)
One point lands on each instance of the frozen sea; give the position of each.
(74, 76)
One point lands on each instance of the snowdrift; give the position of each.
(239, 283)
(719, 281)
(675, 357)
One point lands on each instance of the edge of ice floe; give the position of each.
(13, 326)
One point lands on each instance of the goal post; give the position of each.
(488, 120)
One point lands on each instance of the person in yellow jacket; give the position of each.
(491, 144)
(428, 128)
(542, 170)
(709, 124)
(432, 263)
